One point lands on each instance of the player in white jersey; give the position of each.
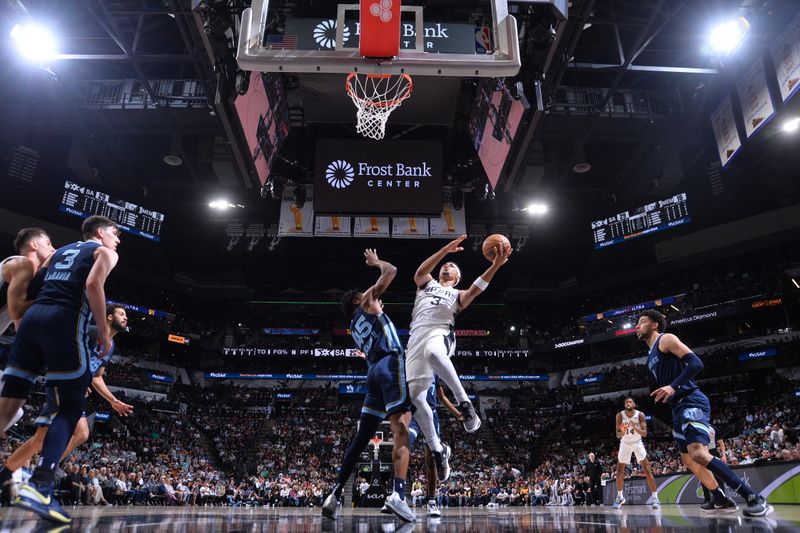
(631, 427)
(19, 284)
(432, 339)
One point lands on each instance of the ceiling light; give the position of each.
(220, 204)
(172, 160)
(627, 325)
(512, 328)
(791, 125)
(34, 42)
(795, 283)
(536, 208)
(582, 168)
(727, 36)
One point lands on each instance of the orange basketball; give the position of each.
(493, 241)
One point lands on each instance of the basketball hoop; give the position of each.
(376, 96)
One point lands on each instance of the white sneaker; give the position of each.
(619, 501)
(400, 508)
(433, 509)
(330, 506)
(385, 510)
(656, 503)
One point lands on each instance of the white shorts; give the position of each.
(625, 451)
(418, 365)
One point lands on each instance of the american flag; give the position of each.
(281, 42)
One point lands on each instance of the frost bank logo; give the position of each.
(325, 34)
(340, 174)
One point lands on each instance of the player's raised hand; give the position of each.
(360, 354)
(454, 246)
(371, 256)
(500, 257)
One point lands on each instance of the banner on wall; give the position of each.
(409, 228)
(371, 227)
(450, 224)
(725, 132)
(757, 105)
(779, 482)
(296, 221)
(334, 226)
(786, 57)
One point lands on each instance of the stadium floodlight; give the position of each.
(795, 283)
(34, 43)
(536, 209)
(791, 125)
(727, 36)
(220, 204)
(512, 328)
(627, 325)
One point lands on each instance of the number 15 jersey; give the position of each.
(375, 335)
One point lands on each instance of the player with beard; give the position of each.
(674, 367)
(118, 321)
(631, 428)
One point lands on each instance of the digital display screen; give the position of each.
(358, 177)
(642, 221)
(84, 202)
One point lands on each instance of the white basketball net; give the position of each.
(376, 96)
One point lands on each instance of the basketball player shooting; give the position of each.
(432, 341)
(674, 367)
(631, 429)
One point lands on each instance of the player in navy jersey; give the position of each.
(118, 321)
(21, 278)
(674, 367)
(54, 334)
(387, 393)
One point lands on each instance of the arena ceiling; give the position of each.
(627, 88)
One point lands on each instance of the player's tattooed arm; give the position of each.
(423, 274)
(388, 272)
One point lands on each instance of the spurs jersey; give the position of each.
(34, 287)
(434, 306)
(630, 436)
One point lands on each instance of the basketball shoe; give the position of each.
(400, 508)
(471, 420)
(757, 506)
(433, 509)
(40, 500)
(619, 501)
(330, 506)
(442, 460)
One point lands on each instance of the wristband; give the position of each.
(481, 283)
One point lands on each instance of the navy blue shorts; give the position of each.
(54, 338)
(50, 408)
(415, 432)
(387, 390)
(691, 418)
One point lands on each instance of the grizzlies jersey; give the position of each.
(434, 306)
(65, 280)
(375, 335)
(630, 436)
(665, 367)
(95, 362)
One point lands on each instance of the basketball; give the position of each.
(493, 241)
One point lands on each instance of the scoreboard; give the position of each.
(644, 220)
(84, 202)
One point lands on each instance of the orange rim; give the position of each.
(388, 103)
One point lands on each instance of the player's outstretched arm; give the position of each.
(465, 297)
(104, 262)
(99, 384)
(423, 273)
(388, 272)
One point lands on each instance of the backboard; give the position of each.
(470, 38)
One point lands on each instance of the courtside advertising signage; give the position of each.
(364, 177)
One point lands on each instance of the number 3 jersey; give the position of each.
(435, 306)
(65, 281)
(375, 335)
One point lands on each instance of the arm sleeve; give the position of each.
(693, 367)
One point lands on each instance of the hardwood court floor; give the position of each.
(672, 518)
